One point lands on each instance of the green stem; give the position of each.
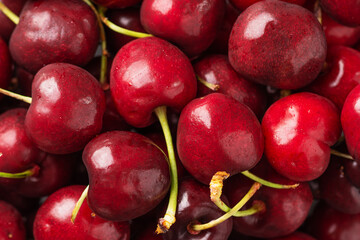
(267, 183)
(236, 208)
(118, 29)
(169, 218)
(340, 154)
(214, 87)
(24, 174)
(79, 203)
(16, 96)
(10, 14)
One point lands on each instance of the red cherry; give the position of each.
(243, 4)
(295, 236)
(299, 130)
(7, 26)
(5, 65)
(11, 223)
(346, 12)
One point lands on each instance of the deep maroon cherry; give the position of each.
(148, 73)
(278, 44)
(67, 108)
(11, 223)
(341, 75)
(350, 117)
(192, 25)
(5, 65)
(346, 12)
(195, 206)
(352, 172)
(285, 209)
(217, 133)
(6, 25)
(128, 175)
(117, 3)
(243, 4)
(295, 236)
(51, 31)
(53, 220)
(299, 130)
(216, 69)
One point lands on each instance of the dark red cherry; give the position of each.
(217, 133)
(11, 223)
(148, 73)
(67, 108)
(278, 44)
(350, 117)
(195, 206)
(243, 4)
(192, 25)
(346, 12)
(117, 3)
(285, 209)
(299, 130)
(295, 236)
(6, 25)
(341, 75)
(53, 220)
(5, 65)
(338, 34)
(51, 31)
(352, 172)
(23, 204)
(216, 69)
(128, 175)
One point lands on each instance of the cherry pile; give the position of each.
(179, 119)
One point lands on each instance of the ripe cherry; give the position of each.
(346, 12)
(11, 223)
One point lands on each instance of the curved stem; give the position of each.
(199, 227)
(317, 11)
(104, 53)
(79, 203)
(165, 223)
(118, 29)
(214, 87)
(24, 174)
(340, 154)
(10, 14)
(16, 96)
(267, 183)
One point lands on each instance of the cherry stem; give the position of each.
(340, 154)
(79, 204)
(216, 186)
(284, 93)
(199, 227)
(104, 52)
(317, 11)
(267, 183)
(214, 87)
(10, 14)
(118, 29)
(16, 96)
(24, 174)
(165, 223)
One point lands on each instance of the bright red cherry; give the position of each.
(11, 223)
(299, 130)
(344, 11)
(278, 44)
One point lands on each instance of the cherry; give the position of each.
(192, 25)
(217, 133)
(243, 4)
(128, 175)
(116, 3)
(66, 110)
(23, 204)
(295, 236)
(7, 26)
(299, 130)
(5, 65)
(285, 209)
(346, 12)
(352, 172)
(11, 223)
(53, 220)
(216, 70)
(350, 115)
(341, 75)
(278, 44)
(50, 31)
(195, 206)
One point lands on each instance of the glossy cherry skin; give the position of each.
(11, 223)
(278, 44)
(50, 31)
(341, 75)
(346, 12)
(147, 73)
(191, 25)
(194, 205)
(338, 34)
(299, 130)
(128, 175)
(5, 65)
(67, 108)
(329, 224)
(350, 115)
(53, 220)
(295, 236)
(6, 25)
(217, 133)
(243, 4)
(216, 69)
(285, 209)
(18, 153)
(117, 3)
